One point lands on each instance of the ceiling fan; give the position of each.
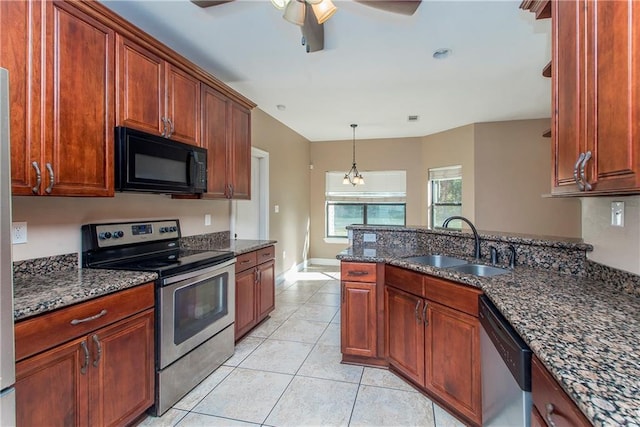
(311, 15)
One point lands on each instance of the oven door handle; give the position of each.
(197, 274)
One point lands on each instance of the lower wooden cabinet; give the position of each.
(551, 405)
(435, 343)
(104, 378)
(255, 289)
(358, 324)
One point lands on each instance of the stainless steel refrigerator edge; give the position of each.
(7, 354)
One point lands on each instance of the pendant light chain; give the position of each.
(353, 177)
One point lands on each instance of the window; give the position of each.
(380, 201)
(340, 214)
(445, 194)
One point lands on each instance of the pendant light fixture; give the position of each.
(353, 177)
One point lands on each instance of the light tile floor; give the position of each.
(287, 372)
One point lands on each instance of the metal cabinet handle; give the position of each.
(416, 313)
(343, 292)
(575, 172)
(164, 127)
(88, 319)
(98, 350)
(171, 128)
(36, 188)
(357, 273)
(424, 315)
(246, 261)
(51, 179)
(230, 191)
(550, 408)
(85, 362)
(583, 174)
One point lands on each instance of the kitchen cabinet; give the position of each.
(61, 119)
(255, 289)
(226, 134)
(551, 405)
(88, 364)
(595, 90)
(156, 96)
(358, 310)
(432, 337)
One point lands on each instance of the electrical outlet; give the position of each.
(19, 234)
(617, 214)
(207, 219)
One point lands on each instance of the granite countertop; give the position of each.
(586, 333)
(241, 246)
(36, 294)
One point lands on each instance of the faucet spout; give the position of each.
(476, 237)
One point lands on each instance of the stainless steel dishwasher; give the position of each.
(506, 371)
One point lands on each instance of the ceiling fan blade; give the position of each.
(404, 7)
(208, 3)
(312, 32)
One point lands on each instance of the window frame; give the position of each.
(432, 182)
(365, 206)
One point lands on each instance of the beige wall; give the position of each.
(374, 154)
(618, 247)
(450, 148)
(512, 172)
(288, 187)
(53, 223)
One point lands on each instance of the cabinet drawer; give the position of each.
(51, 329)
(551, 401)
(405, 280)
(266, 254)
(358, 271)
(246, 261)
(459, 297)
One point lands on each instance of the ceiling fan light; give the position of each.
(324, 10)
(280, 4)
(294, 12)
(314, 1)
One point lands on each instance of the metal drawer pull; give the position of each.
(575, 171)
(90, 318)
(357, 273)
(415, 312)
(550, 408)
(424, 315)
(583, 175)
(85, 362)
(36, 188)
(246, 261)
(51, 179)
(99, 349)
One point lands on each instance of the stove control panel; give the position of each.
(136, 232)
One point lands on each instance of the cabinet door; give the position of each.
(140, 88)
(358, 324)
(122, 371)
(214, 139)
(404, 333)
(568, 115)
(613, 88)
(266, 289)
(19, 54)
(79, 119)
(240, 146)
(245, 302)
(52, 389)
(183, 105)
(452, 356)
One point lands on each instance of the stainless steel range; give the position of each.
(195, 298)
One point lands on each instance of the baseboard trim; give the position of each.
(323, 261)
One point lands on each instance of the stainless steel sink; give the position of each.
(442, 261)
(479, 269)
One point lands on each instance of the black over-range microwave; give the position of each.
(151, 163)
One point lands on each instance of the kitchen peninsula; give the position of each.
(579, 318)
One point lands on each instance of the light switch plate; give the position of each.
(617, 214)
(207, 219)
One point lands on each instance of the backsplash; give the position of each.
(619, 279)
(206, 241)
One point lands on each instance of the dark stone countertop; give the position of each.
(39, 293)
(585, 332)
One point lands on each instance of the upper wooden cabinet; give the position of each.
(226, 134)
(596, 91)
(155, 96)
(61, 114)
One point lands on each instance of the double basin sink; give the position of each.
(456, 264)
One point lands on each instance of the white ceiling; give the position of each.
(377, 67)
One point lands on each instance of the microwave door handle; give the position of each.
(192, 169)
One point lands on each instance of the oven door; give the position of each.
(194, 307)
